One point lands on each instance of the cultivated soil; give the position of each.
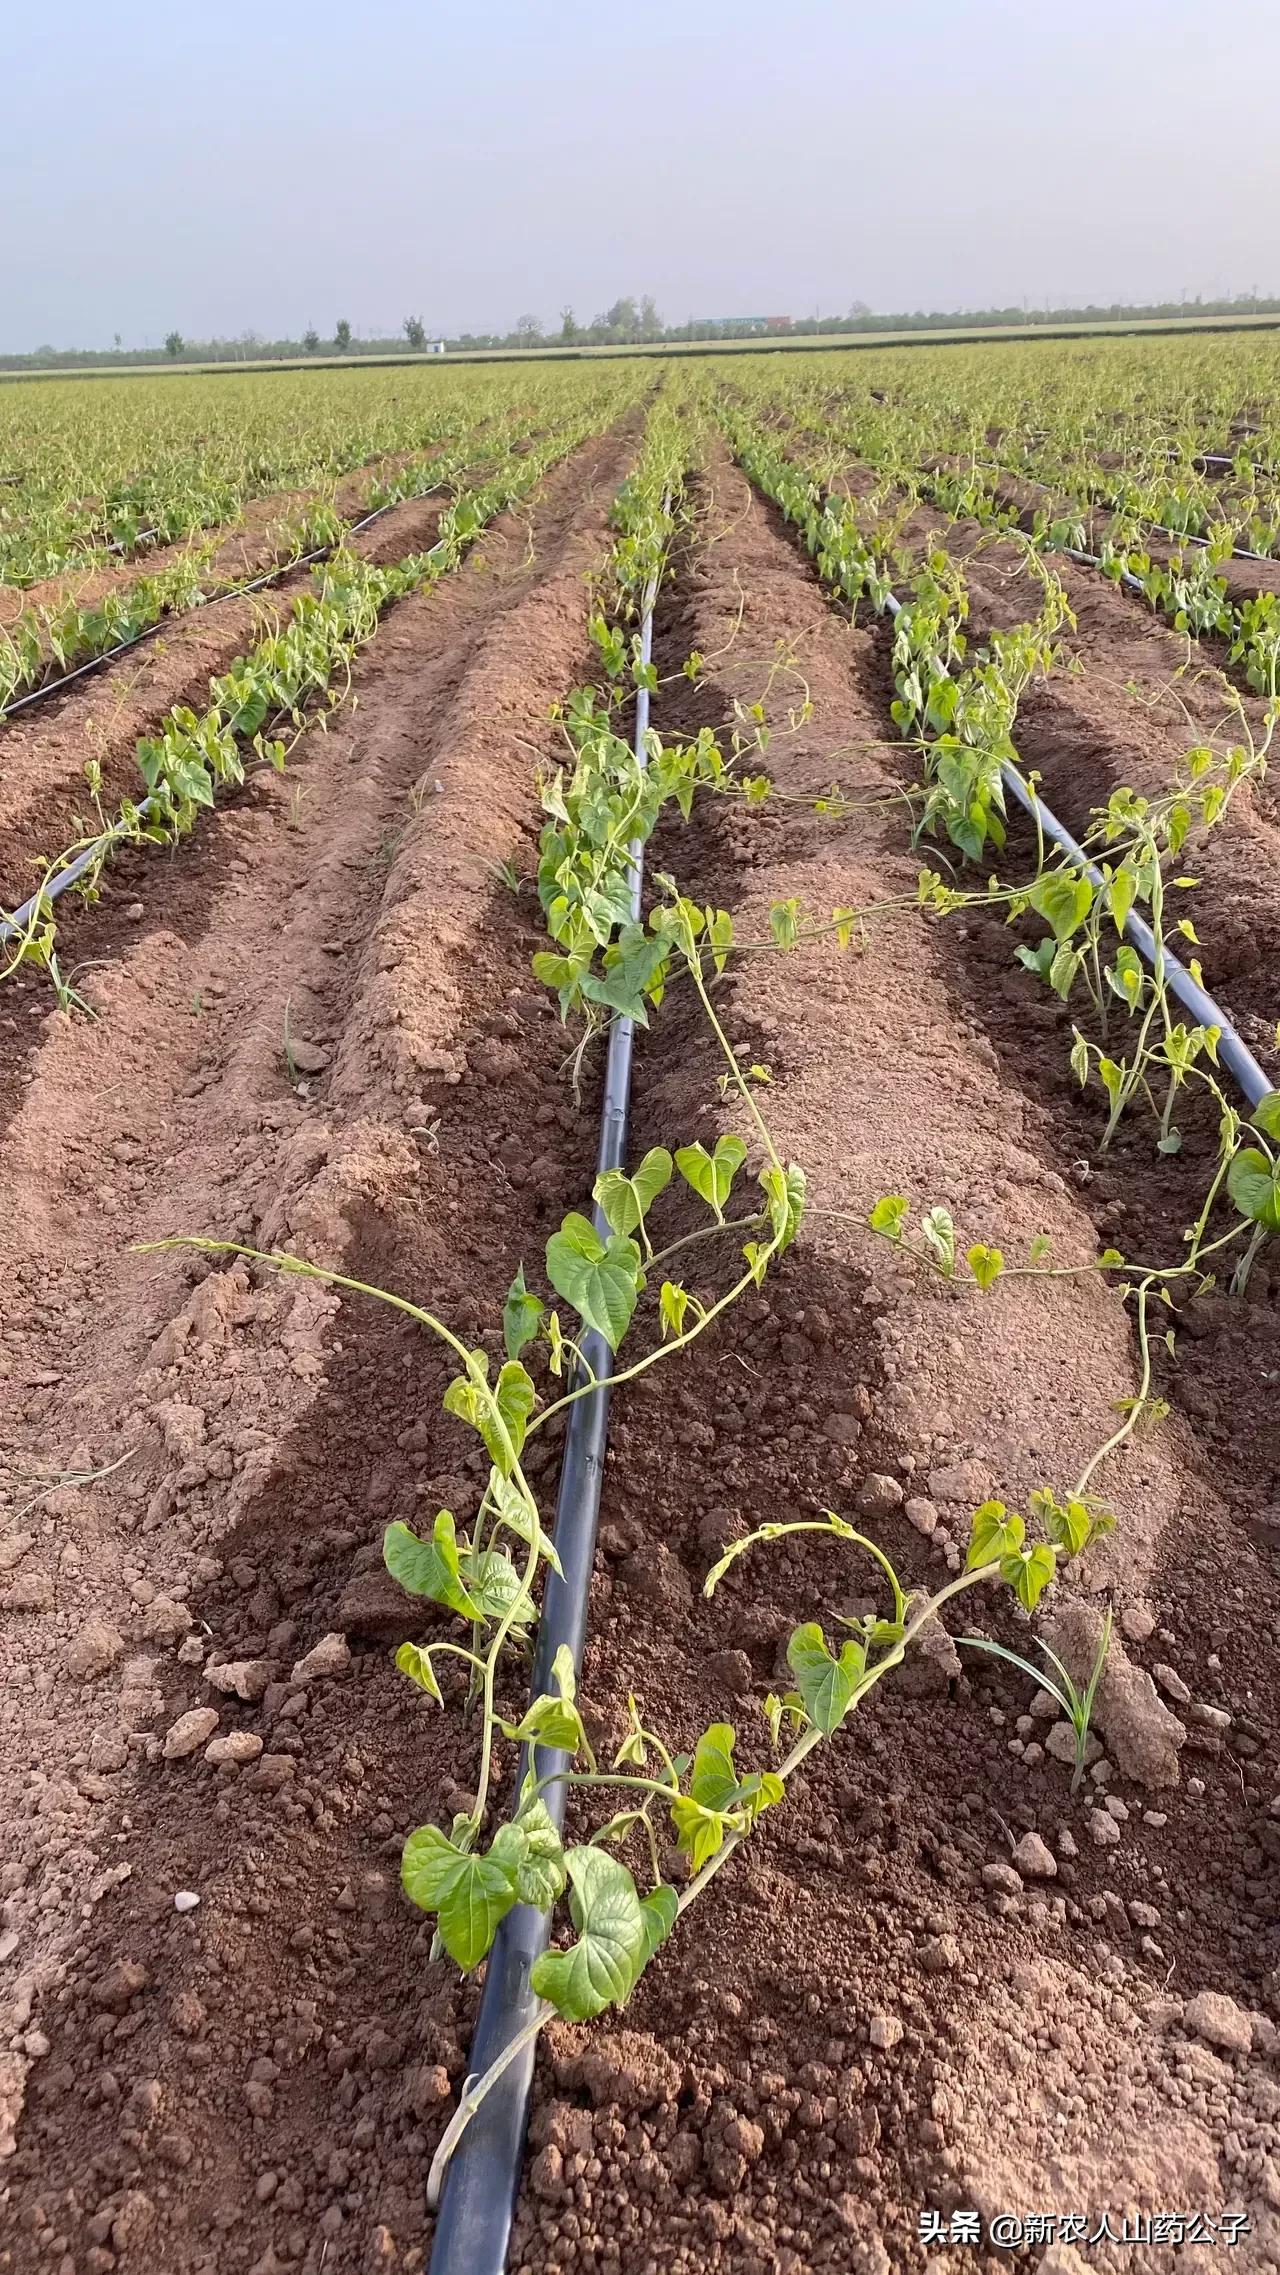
(936, 1979)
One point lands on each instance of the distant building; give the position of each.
(435, 347)
(777, 323)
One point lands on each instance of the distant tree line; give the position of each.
(628, 323)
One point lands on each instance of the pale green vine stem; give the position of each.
(476, 2090)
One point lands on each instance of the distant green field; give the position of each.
(814, 344)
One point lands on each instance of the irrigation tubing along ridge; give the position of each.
(22, 918)
(165, 622)
(483, 2175)
(1232, 1048)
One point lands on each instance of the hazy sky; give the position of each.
(225, 166)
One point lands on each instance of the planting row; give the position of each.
(1197, 587)
(301, 666)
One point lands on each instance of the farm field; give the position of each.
(896, 1856)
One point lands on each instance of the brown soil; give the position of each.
(873, 2014)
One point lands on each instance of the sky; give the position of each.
(224, 168)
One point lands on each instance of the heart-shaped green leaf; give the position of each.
(711, 1174)
(994, 1533)
(1253, 1182)
(601, 1279)
(470, 1895)
(414, 1662)
(1029, 1572)
(627, 1200)
(540, 1876)
(521, 1316)
(515, 1396)
(826, 1685)
(430, 1567)
(600, 1968)
(659, 1909)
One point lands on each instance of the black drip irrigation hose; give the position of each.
(22, 920)
(482, 2179)
(1233, 1051)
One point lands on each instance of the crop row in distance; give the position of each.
(129, 464)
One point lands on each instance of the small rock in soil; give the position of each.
(93, 1649)
(118, 1984)
(1002, 1878)
(165, 1620)
(188, 1732)
(1103, 1830)
(931, 1666)
(1034, 1858)
(922, 1515)
(1137, 1623)
(330, 1656)
(546, 2173)
(1061, 1743)
(879, 1496)
(630, 2071)
(375, 1605)
(273, 1772)
(237, 1746)
(33, 1592)
(657, 1577)
(966, 1481)
(1172, 1684)
(430, 2089)
(309, 1058)
(731, 1671)
(242, 1678)
(1219, 2021)
(134, 2222)
(940, 1954)
(885, 2031)
(842, 1429)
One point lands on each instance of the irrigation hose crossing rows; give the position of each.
(1232, 1048)
(483, 2175)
